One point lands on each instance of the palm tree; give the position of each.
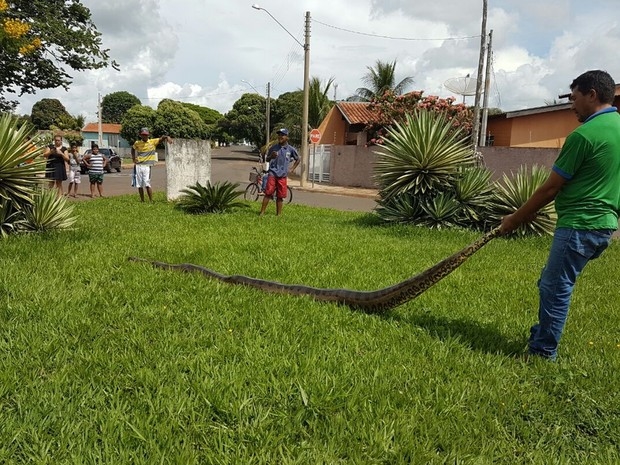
(319, 102)
(379, 79)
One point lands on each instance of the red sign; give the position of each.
(315, 136)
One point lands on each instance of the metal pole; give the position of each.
(313, 163)
(487, 85)
(267, 117)
(100, 125)
(304, 122)
(483, 40)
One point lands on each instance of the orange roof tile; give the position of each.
(356, 112)
(108, 128)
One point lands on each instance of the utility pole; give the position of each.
(487, 86)
(267, 117)
(304, 123)
(100, 121)
(483, 40)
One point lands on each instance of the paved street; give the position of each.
(234, 164)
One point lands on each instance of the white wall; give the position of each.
(187, 162)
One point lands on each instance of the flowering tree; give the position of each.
(392, 108)
(40, 40)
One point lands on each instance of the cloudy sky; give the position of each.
(202, 51)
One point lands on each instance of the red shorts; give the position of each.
(277, 185)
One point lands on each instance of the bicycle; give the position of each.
(255, 188)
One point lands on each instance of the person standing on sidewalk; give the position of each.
(144, 156)
(74, 170)
(96, 163)
(56, 169)
(585, 183)
(279, 157)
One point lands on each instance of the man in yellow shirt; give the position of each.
(144, 157)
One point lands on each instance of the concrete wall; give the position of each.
(353, 166)
(502, 160)
(187, 162)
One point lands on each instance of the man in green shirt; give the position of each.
(585, 183)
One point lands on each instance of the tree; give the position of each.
(380, 79)
(246, 120)
(137, 117)
(390, 108)
(115, 105)
(208, 115)
(318, 101)
(41, 41)
(49, 112)
(175, 120)
(286, 111)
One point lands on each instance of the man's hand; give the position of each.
(512, 222)
(508, 225)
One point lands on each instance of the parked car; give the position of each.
(114, 161)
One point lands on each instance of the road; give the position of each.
(234, 164)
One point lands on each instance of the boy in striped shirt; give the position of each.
(95, 162)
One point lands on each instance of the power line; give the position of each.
(390, 37)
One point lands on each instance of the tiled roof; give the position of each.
(356, 112)
(107, 128)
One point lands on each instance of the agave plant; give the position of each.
(212, 198)
(403, 209)
(421, 155)
(440, 212)
(47, 212)
(474, 192)
(10, 219)
(512, 192)
(21, 168)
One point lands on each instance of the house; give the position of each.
(111, 136)
(345, 124)
(540, 127)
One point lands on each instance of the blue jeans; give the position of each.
(570, 251)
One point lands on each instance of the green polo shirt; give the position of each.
(590, 163)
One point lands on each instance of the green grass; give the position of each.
(109, 361)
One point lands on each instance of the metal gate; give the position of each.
(319, 160)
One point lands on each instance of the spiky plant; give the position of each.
(421, 155)
(403, 209)
(21, 168)
(48, 212)
(513, 191)
(474, 192)
(10, 219)
(220, 197)
(440, 212)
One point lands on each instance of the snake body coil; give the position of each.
(378, 301)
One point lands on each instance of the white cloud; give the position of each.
(200, 50)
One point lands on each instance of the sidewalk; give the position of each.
(336, 190)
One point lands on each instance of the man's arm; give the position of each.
(133, 154)
(541, 197)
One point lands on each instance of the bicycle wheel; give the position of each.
(251, 192)
(289, 194)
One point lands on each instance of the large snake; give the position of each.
(378, 301)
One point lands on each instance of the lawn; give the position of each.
(109, 361)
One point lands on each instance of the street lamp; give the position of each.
(267, 111)
(304, 122)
